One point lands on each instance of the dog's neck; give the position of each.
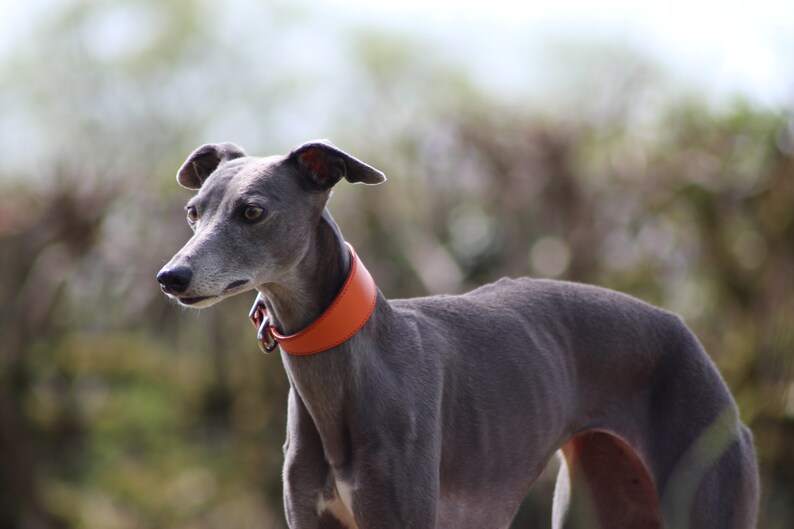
(302, 296)
(321, 380)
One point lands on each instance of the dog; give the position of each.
(441, 411)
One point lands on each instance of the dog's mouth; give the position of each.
(184, 300)
(231, 289)
(193, 300)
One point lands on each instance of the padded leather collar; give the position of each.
(346, 315)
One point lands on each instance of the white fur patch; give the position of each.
(340, 506)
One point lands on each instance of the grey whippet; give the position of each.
(440, 412)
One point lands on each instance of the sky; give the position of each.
(724, 47)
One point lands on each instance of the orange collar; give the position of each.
(346, 315)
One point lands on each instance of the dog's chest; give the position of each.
(336, 500)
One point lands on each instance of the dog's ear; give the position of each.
(323, 165)
(204, 161)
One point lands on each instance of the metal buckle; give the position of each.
(259, 317)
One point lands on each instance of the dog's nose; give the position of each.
(175, 280)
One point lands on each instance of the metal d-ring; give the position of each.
(261, 320)
(265, 334)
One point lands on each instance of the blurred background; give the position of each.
(640, 146)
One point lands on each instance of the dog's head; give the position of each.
(252, 218)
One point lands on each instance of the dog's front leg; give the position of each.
(396, 488)
(306, 472)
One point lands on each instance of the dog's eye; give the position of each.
(252, 213)
(192, 214)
